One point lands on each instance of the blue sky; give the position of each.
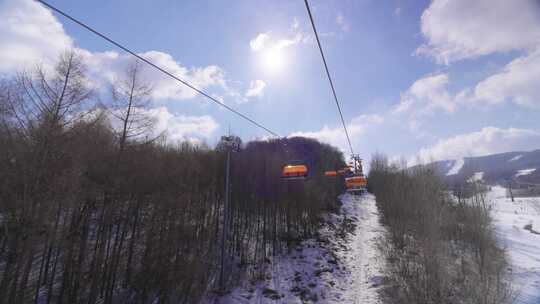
(432, 79)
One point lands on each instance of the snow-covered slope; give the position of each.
(516, 157)
(525, 172)
(458, 164)
(496, 168)
(362, 259)
(337, 267)
(518, 227)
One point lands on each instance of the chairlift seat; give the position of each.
(292, 172)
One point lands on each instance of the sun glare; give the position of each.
(273, 60)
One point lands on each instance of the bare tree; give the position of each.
(38, 107)
(428, 230)
(77, 227)
(130, 101)
(53, 98)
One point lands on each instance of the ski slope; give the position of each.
(342, 265)
(363, 259)
(511, 220)
(458, 164)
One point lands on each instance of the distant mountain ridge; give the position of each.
(493, 169)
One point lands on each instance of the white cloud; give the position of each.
(342, 23)
(265, 41)
(336, 136)
(518, 82)
(218, 98)
(460, 29)
(108, 66)
(259, 42)
(333, 136)
(174, 127)
(31, 34)
(272, 49)
(271, 41)
(296, 24)
(181, 127)
(427, 95)
(367, 119)
(488, 140)
(287, 42)
(167, 88)
(256, 88)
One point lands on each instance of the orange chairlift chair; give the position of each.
(294, 172)
(356, 184)
(331, 174)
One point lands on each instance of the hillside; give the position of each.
(495, 168)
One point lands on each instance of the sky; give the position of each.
(417, 80)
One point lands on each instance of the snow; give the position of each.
(522, 245)
(339, 269)
(525, 172)
(477, 176)
(458, 164)
(515, 157)
(364, 260)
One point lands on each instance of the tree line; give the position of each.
(96, 208)
(440, 247)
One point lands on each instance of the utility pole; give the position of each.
(230, 144)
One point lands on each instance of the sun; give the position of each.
(273, 60)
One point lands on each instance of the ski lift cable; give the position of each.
(328, 74)
(187, 84)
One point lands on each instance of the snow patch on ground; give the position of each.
(525, 172)
(458, 164)
(337, 267)
(515, 158)
(517, 224)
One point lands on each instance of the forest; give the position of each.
(95, 207)
(441, 246)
